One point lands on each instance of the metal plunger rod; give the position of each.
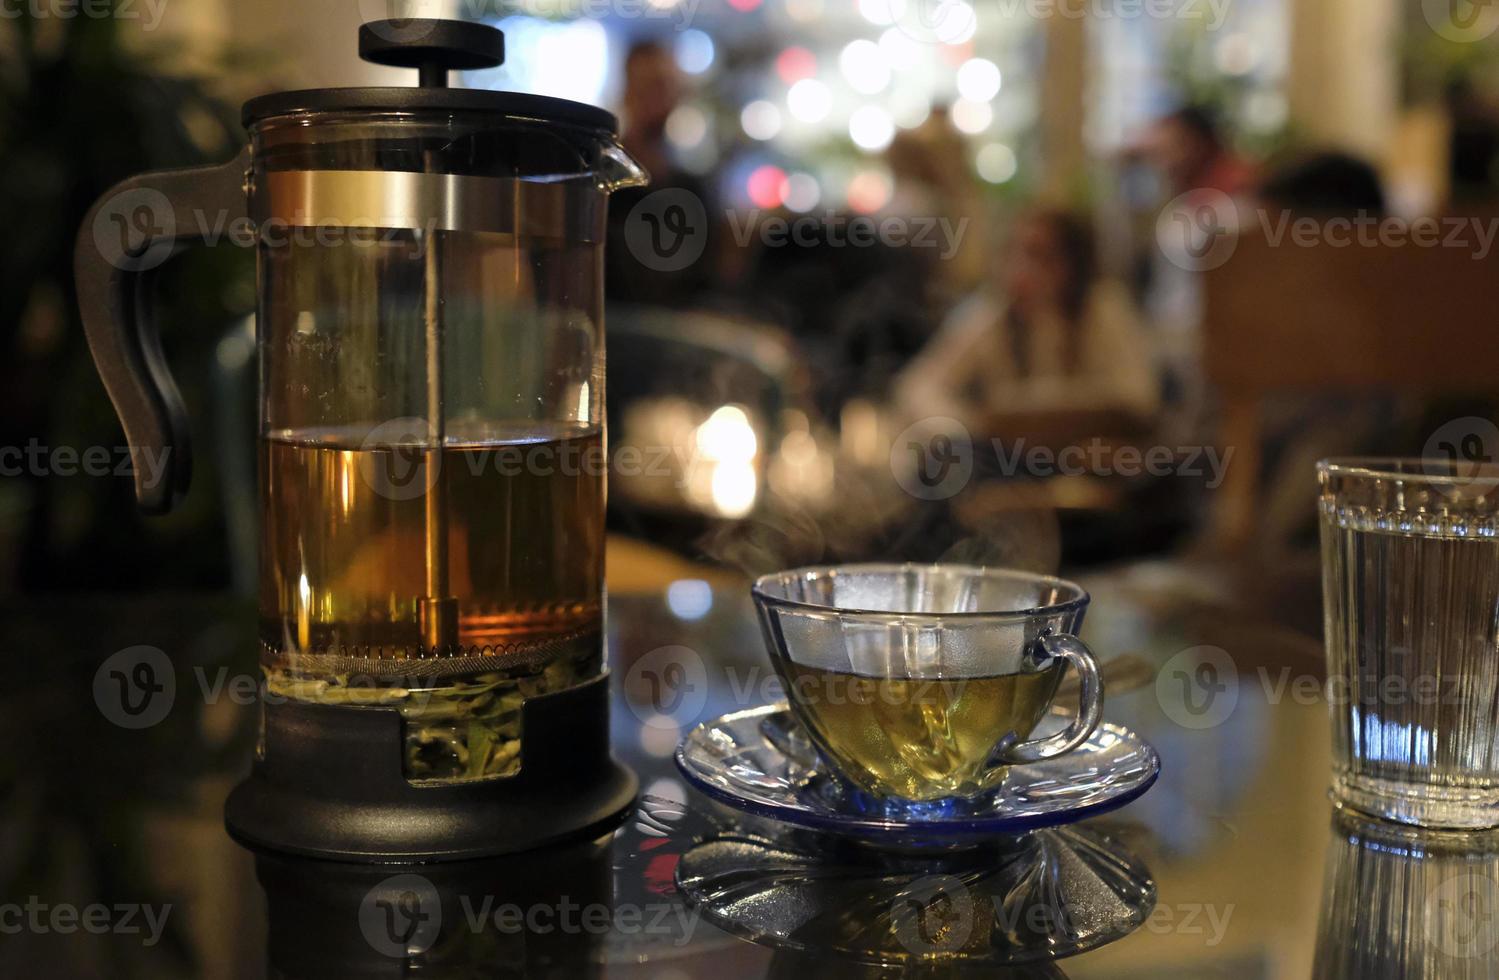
(438, 609)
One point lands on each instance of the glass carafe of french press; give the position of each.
(430, 332)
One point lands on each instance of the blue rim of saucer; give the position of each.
(807, 809)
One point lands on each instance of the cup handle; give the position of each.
(1064, 646)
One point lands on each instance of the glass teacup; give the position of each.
(920, 685)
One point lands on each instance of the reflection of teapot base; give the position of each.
(450, 919)
(1040, 896)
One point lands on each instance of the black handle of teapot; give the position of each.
(432, 47)
(128, 233)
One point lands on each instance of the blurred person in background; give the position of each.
(1202, 180)
(1324, 184)
(933, 177)
(1189, 151)
(857, 314)
(1472, 147)
(652, 90)
(861, 309)
(1048, 340)
(1298, 431)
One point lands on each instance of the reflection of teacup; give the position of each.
(921, 683)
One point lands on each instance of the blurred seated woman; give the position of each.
(1050, 351)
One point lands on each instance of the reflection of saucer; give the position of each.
(1023, 899)
(758, 761)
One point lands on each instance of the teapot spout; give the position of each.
(617, 169)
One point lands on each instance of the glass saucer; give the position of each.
(760, 761)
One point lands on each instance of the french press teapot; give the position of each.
(431, 362)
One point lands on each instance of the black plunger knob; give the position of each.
(432, 47)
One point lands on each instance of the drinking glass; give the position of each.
(1410, 580)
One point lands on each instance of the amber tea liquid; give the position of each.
(343, 559)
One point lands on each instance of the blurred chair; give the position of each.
(703, 401)
(1285, 318)
(704, 357)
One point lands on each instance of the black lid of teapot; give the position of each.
(434, 48)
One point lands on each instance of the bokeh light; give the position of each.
(724, 475)
(689, 598)
(802, 192)
(1236, 54)
(766, 186)
(694, 52)
(863, 64)
(869, 190)
(809, 100)
(804, 11)
(953, 22)
(878, 12)
(899, 48)
(871, 128)
(978, 80)
(760, 120)
(794, 64)
(971, 117)
(995, 163)
(687, 126)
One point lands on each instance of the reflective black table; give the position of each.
(115, 862)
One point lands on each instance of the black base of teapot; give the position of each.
(329, 784)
